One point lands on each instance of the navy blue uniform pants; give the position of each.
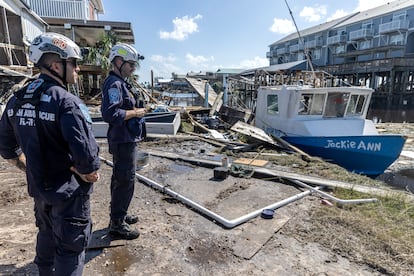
(64, 232)
(123, 178)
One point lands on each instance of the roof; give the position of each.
(98, 5)
(350, 19)
(229, 71)
(295, 65)
(315, 29)
(390, 7)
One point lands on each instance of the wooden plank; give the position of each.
(252, 162)
(255, 234)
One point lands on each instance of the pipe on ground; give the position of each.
(225, 222)
(337, 200)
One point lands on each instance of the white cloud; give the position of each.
(313, 14)
(254, 63)
(364, 5)
(163, 66)
(183, 27)
(161, 59)
(282, 26)
(198, 61)
(338, 14)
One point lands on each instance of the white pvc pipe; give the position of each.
(225, 222)
(337, 200)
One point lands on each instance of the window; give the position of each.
(340, 49)
(366, 25)
(397, 39)
(317, 54)
(311, 104)
(356, 105)
(272, 105)
(399, 16)
(366, 44)
(335, 106)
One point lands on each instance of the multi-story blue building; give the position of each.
(373, 48)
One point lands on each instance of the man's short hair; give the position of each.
(47, 58)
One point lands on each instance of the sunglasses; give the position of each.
(73, 62)
(132, 64)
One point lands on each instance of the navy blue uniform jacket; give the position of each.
(67, 140)
(116, 99)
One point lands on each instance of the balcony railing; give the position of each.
(337, 39)
(296, 48)
(361, 34)
(281, 51)
(313, 44)
(394, 26)
(59, 9)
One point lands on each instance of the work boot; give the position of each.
(120, 229)
(131, 219)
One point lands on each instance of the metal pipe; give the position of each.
(225, 222)
(337, 200)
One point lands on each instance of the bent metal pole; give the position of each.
(337, 200)
(219, 219)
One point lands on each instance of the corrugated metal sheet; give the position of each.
(295, 65)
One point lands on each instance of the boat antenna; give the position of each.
(301, 41)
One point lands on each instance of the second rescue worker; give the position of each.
(119, 106)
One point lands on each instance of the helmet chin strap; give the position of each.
(120, 68)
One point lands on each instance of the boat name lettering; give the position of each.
(349, 144)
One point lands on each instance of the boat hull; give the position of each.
(368, 155)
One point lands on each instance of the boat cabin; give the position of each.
(300, 110)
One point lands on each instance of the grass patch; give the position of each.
(378, 234)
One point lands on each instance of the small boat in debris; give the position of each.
(166, 123)
(329, 122)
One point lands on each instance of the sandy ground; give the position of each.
(178, 240)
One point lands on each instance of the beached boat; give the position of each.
(328, 122)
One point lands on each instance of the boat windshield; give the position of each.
(336, 104)
(311, 104)
(356, 105)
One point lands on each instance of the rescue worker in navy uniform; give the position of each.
(46, 132)
(118, 107)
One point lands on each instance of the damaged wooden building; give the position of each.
(22, 20)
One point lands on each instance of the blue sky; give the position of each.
(184, 36)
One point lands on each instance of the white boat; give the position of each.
(328, 122)
(166, 123)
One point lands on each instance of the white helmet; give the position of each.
(127, 52)
(53, 43)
